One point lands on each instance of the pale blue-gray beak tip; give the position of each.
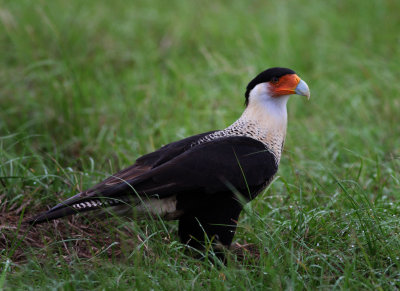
(302, 89)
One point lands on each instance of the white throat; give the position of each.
(269, 113)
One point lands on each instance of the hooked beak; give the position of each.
(302, 89)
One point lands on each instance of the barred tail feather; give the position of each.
(77, 206)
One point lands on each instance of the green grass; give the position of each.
(86, 87)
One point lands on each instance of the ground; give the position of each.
(86, 87)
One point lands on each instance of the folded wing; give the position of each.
(192, 173)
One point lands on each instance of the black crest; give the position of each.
(266, 76)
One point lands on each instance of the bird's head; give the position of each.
(275, 84)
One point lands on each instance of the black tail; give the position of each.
(53, 214)
(75, 205)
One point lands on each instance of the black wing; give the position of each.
(146, 163)
(232, 163)
(226, 164)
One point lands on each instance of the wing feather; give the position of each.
(239, 163)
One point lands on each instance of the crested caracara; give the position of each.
(202, 180)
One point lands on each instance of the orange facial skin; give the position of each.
(286, 85)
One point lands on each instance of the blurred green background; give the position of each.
(86, 87)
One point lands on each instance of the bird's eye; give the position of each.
(274, 80)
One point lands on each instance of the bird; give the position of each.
(204, 180)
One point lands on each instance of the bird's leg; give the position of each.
(213, 223)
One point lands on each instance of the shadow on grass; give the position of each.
(67, 238)
(79, 237)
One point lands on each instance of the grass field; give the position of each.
(86, 87)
